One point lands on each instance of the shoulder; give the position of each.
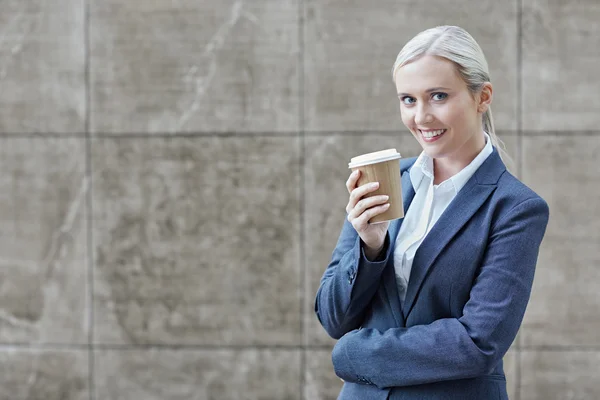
(406, 163)
(511, 194)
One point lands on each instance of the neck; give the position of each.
(446, 167)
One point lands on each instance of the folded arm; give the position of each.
(457, 348)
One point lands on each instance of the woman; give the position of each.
(425, 307)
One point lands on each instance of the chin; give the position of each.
(435, 152)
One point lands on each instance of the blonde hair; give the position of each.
(457, 45)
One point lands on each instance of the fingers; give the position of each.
(365, 204)
(352, 179)
(363, 220)
(359, 192)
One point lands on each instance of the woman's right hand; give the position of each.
(360, 210)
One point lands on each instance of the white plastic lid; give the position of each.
(373, 158)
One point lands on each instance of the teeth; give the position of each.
(431, 134)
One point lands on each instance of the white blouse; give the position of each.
(428, 204)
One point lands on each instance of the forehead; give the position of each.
(427, 72)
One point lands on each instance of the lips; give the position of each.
(431, 135)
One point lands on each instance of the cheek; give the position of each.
(465, 112)
(406, 116)
(453, 114)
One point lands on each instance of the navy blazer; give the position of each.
(469, 286)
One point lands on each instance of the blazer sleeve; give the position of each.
(457, 348)
(348, 284)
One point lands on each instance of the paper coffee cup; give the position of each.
(383, 167)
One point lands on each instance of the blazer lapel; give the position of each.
(468, 200)
(389, 276)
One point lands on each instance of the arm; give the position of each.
(465, 347)
(349, 283)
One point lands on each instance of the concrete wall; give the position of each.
(172, 186)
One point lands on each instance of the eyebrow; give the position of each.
(435, 89)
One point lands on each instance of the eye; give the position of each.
(439, 96)
(407, 100)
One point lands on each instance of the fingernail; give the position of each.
(374, 184)
(386, 197)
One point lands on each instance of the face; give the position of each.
(437, 107)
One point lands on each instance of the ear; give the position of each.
(485, 97)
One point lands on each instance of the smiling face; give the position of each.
(437, 107)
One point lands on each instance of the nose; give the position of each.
(423, 115)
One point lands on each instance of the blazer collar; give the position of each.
(468, 200)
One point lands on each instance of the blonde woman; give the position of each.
(425, 307)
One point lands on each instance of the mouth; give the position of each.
(432, 135)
